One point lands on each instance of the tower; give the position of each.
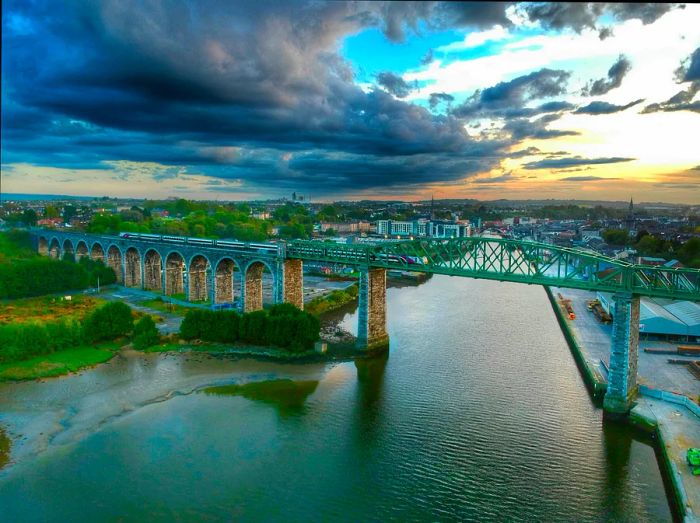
(629, 220)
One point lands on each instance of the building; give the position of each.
(424, 228)
(664, 318)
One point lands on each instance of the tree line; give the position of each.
(282, 325)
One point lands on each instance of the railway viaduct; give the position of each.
(203, 272)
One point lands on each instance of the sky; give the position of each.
(351, 100)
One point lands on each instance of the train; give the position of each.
(263, 247)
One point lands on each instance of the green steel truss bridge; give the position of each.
(509, 260)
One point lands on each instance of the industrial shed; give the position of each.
(661, 317)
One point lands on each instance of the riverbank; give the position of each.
(58, 363)
(673, 426)
(335, 352)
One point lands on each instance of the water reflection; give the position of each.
(4, 449)
(286, 396)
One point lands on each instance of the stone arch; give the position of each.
(226, 283)
(54, 248)
(114, 260)
(43, 246)
(198, 273)
(81, 250)
(174, 273)
(253, 285)
(152, 271)
(68, 249)
(132, 268)
(97, 252)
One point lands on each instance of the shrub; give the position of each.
(145, 333)
(110, 321)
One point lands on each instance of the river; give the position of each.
(478, 414)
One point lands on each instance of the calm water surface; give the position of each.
(478, 413)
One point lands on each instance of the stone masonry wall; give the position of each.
(294, 283)
(253, 294)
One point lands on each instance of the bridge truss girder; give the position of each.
(510, 260)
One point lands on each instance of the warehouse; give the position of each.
(661, 318)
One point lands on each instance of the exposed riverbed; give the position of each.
(478, 413)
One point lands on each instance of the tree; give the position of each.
(29, 217)
(68, 212)
(145, 333)
(615, 236)
(110, 321)
(50, 211)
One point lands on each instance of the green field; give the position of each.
(160, 305)
(58, 363)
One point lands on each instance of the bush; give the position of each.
(145, 333)
(110, 321)
(283, 325)
(253, 327)
(26, 340)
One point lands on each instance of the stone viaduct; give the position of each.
(229, 272)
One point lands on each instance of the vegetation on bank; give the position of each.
(58, 363)
(31, 349)
(281, 325)
(23, 273)
(335, 300)
(48, 308)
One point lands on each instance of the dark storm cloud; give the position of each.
(613, 80)
(437, 98)
(584, 15)
(681, 101)
(521, 128)
(599, 107)
(180, 83)
(573, 161)
(394, 84)
(507, 99)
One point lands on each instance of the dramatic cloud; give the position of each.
(507, 99)
(521, 128)
(584, 15)
(437, 98)
(558, 163)
(613, 80)
(259, 95)
(585, 179)
(394, 84)
(690, 68)
(681, 101)
(599, 107)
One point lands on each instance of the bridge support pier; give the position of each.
(622, 376)
(371, 328)
(289, 283)
(252, 288)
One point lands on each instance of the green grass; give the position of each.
(160, 305)
(58, 363)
